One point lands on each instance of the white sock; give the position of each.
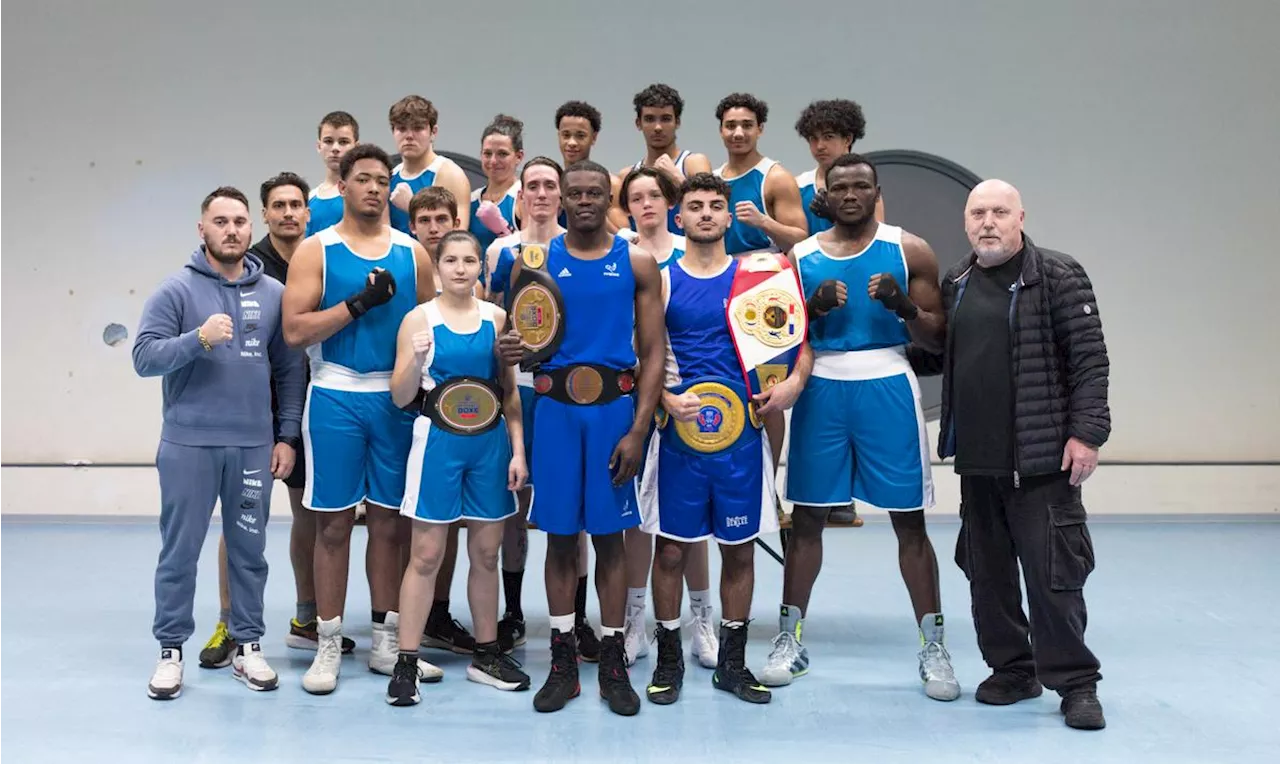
(732, 624)
(609, 631)
(562, 623)
(699, 601)
(670, 625)
(636, 597)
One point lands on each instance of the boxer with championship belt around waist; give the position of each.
(708, 473)
(858, 431)
(538, 204)
(461, 466)
(590, 424)
(349, 287)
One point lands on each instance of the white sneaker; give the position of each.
(788, 659)
(249, 666)
(386, 651)
(322, 677)
(166, 682)
(935, 663)
(634, 640)
(705, 644)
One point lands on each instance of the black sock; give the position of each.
(409, 656)
(177, 649)
(487, 647)
(580, 601)
(379, 616)
(511, 582)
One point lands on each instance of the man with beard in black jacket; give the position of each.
(1024, 412)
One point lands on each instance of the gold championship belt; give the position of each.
(464, 405)
(767, 320)
(536, 306)
(720, 422)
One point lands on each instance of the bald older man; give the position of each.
(1024, 412)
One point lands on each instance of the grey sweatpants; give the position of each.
(192, 479)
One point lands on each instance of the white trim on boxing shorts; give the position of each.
(332, 376)
(862, 365)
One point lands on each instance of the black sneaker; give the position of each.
(444, 632)
(496, 669)
(1082, 709)
(668, 675)
(220, 648)
(1005, 688)
(511, 632)
(615, 683)
(403, 689)
(732, 674)
(588, 643)
(562, 683)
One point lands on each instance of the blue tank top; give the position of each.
(677, 251)
(366, 346)
(599, 304)
(325, 212)
(672, 225)
(863, 323)
(808, 188)
(697, 326)
(424, 179)
(454, 354)
(507, 206)
(748, 187)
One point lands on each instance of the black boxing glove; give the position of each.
(818, 204)
(379, 291)
(892, 297)
(824, 299)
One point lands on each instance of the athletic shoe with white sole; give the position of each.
(249, 666)
(166, 682)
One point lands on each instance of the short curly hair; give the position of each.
(838, 115)
(743, 101)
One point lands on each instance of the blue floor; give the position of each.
(1183, 616)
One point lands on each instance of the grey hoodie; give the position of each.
(221, 397)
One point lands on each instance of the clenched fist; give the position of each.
(422, 344)
(217, 329)
(401, 196)
(684, 407)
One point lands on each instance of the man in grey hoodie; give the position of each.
(213, 332)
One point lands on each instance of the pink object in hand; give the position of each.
(491, 217)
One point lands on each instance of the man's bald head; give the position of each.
(993, 221)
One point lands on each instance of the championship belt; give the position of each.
(585, 384)
(535, 306)
(723, 416)
(464, 405)
(767, 320)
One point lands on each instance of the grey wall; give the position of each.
(1142, 135)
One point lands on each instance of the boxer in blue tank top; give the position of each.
(858, 429)
(349, 287)
(830, 128)
(764, 197)
(467, 458)
(413, 125)
(709, 472)
(501, 152)
(658, 111)
(577, 128)
(593, 411)
(337, 134)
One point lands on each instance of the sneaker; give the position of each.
(1005, 688)
(166, 682)
(302, 636)
(935, 662)
(249, 666)
(615, 683)
(219, 649)
(511, 632)
(322, 677)
(705, 645)
(445, 633)
(588, 643)
(562, 683)
(732, 674)
(1082, 709)
(668, 675)
(403, 688)
(496, 669)
(634, 642)
(385, 653)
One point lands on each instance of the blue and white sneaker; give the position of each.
(788, 659)
(935, 662)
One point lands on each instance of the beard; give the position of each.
(222, 256)
(694, 236)
(990, 257)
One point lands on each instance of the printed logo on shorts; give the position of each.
(736, 522)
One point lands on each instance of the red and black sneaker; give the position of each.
(562, 683)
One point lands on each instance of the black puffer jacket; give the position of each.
(1060, 367)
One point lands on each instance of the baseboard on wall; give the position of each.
(1114, 490)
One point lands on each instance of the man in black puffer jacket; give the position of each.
(1024, 412)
